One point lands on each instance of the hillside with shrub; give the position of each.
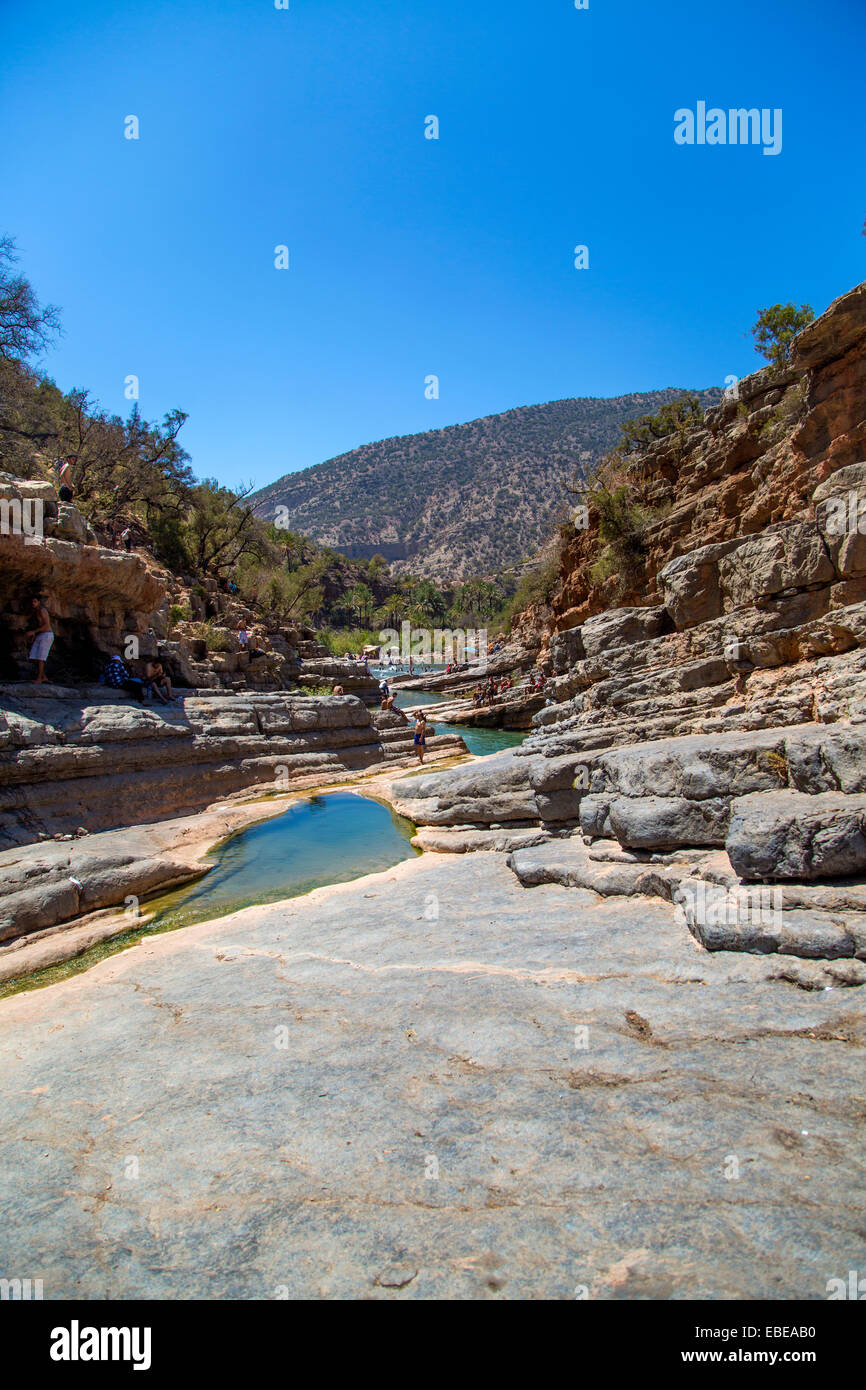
(472, 499)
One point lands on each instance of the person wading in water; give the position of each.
(420, 735)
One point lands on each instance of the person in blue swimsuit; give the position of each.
(420, 735)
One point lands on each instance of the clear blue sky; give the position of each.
(411, 256)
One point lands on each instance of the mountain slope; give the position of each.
(462, 501)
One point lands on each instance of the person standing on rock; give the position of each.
(420, 735)
(43, 638)
(66, 490)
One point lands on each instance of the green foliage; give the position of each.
(361, 598)
(776, 328)
(278, 591)
(477, 602)
(221, 528)
(217, 639)
(179, 613)
(675, 417)
(169, 542)
(622, 525)
(348, 639)
(536, 587)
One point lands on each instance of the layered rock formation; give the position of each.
(99, 597)
(74, 762)
(755, 463)
(722, 727)
(90, 759)
(104, 601)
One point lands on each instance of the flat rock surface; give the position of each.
(433, 1082)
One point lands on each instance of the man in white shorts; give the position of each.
(42, 639)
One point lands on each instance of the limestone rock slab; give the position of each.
(781, 835)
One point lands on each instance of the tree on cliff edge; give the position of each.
(26, 327)
(777, 327)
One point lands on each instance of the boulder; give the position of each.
(830, 758)
(791, 835)
(595, 817)
(622, 627)
(666, 822)
(791, 557)
(832, 333)
(691, 584)
(754, 920)
(565, 649)
(481, 794)
(697, 766)
(71, 525)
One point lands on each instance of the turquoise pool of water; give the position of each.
(319, 840)
(479, 741)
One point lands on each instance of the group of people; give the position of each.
(385, 693)
(412, 666)
(491, 689)
(155, 681)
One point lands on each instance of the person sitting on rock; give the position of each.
(43, 638)
(338, 690)
(157, 682)
(117, 676)
(245, 642)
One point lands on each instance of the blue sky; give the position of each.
(408, 256)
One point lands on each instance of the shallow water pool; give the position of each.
(318, 840)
